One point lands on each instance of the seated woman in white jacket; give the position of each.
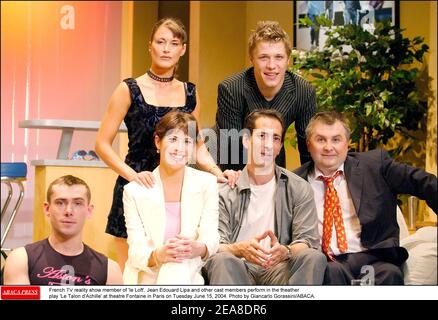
(173, 226)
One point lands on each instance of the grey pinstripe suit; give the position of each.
(238, 95)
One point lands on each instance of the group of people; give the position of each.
(243, 222)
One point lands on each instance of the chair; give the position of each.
(421, 266)
(11, 172)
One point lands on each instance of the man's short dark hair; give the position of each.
(251, 119)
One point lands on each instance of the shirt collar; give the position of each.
(316, 172)
(243, 182)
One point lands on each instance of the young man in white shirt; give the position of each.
(267, 223)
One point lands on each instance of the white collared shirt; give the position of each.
(351, 221)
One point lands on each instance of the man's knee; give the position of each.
(224, 268)
(223, 261)
(334, 267)
(336, 274)
(312, 257)
(388, 274)
(308, 268)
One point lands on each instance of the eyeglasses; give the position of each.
(84, 155)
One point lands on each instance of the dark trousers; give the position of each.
(367, 266)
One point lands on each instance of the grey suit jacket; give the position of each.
(374, 181)
(238, 95)
(295, 211)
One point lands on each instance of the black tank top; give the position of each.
(48, 267)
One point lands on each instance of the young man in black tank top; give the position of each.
(62, 258)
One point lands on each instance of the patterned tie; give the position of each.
(332, 213)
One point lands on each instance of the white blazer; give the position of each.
(145, 223)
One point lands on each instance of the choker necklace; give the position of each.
(157, 78)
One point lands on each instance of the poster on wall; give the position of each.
(363, 13)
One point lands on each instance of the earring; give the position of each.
(158, 150)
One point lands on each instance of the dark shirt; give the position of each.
(48, 267)
(239, 95)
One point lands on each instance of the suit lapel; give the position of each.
(286, 98)
(253, 97)
(280, 189)
(154, 215)
(189, 203)
(305, 170)
(354, 177)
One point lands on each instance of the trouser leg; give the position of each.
(223, 268)
(308, 268)
(387, 274)
(337, 273)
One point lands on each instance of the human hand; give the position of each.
(252, 251)
(190, 248)
(277, 253)
(231, 177)
(171, 251)
(144, 178)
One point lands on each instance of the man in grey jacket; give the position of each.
(268, 222)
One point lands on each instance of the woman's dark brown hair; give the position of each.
(177, 120)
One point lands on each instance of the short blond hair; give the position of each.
(270, 31)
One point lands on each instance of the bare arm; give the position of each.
(117, 108)
(114, 275)
(16, 270)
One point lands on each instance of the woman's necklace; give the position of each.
(157, 78)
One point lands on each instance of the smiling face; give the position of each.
(328, 146)
(270, 62)
(165, 49)
(68, 209)
(175, 148)
(265, 143)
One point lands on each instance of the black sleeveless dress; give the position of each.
(140, 120)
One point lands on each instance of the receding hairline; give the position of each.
(311, 127)
(69, 181)
(61, 185)
(267, 117)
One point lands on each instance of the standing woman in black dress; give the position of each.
(141, 103)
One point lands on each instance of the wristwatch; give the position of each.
(289, 252)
